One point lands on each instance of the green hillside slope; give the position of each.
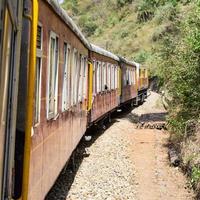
(127, 27)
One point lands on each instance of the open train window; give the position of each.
(104, 86)
(74, 81)
(127, 77)
(66, 78)
(52, 97)
(38, 76)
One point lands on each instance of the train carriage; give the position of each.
(60, 100)
(54, 84)
(10, 41)
(106, 83)
(129, 81)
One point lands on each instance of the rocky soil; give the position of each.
(124, 162)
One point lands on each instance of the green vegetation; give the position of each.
(195, 176)
(178, 59)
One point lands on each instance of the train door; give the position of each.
(9, 27)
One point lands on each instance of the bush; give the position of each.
(170, 13)
(141, 57)
(178, 69)
(88, 24)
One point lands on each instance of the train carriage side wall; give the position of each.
(107, 100)
(54, 140)
(129, 83)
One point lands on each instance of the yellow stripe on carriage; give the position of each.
(30, 99)
(90, 86)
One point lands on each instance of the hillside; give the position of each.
(127, 27)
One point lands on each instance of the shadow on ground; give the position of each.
(153, 117)
(66, 178)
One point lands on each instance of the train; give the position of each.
(54, 85)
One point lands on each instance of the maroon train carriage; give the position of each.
(60, 117)
(129, 81)
(106, 82)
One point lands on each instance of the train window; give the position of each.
(112, 77)
(81, 78)
(74, 77)
(130, 76)
(116, 77)
(134, 77)
(130, 80)
(127, 76)
(108, 76)
(85, 78)
(99, 77)
(52, 76)
(66, 78)
(104, 86)
(94, 77)
(38, 75)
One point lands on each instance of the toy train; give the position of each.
(54, 84)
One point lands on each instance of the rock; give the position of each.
(174, 157)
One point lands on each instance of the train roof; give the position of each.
(103, 52)
(132, 63)
(68, 20)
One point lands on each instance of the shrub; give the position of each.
(88, 24)
(141, 57)
(170, 13)
(178, 69)
(195, 175)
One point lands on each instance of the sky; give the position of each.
(60, 1)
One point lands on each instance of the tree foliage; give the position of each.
(179, 70)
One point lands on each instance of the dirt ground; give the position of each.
(155, 177)
(125, 162)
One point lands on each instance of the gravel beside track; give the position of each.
(103, 169)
